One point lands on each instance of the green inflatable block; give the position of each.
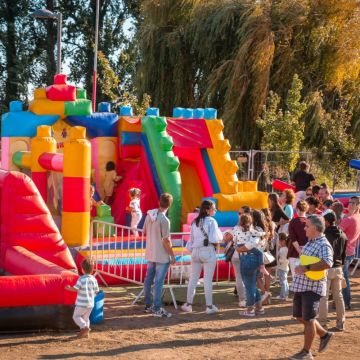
(166, 143)
(103, 211)
(78, 107)
(160, 123)
(173, 163)
(100, 229)
(80, 93)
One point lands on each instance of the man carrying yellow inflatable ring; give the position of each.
(309, 285)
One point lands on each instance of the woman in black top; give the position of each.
(278, 215)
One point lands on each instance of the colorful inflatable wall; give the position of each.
(185, 155)
(33, 252)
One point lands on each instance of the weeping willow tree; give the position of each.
(229, 54)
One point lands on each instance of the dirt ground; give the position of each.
(128, 333)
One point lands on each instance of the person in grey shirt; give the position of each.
(159, 255)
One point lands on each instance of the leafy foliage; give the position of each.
(283, 130)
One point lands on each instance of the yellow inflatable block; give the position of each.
(309, 260)
(75, 228)
(129, 123)
(240, 186)
(40, 93)
(47, 107)
(77, 154)
(224, 168)
(256, 200)
(249, 186)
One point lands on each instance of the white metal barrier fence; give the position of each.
(117, 254)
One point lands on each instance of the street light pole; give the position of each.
(59, 30)
(93, 96)
(47, 14)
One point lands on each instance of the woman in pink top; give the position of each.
(351, 227)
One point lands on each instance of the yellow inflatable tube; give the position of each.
(256, 200)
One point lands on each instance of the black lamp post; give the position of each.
(47, 14)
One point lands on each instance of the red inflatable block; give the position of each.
(61, 92)
(60, 79)
(130, 151)
(76, 186)
(281, 185)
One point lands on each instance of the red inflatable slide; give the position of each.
(35, 261)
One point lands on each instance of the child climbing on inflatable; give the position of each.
(134, 209)
(86, 287)
(110, 179)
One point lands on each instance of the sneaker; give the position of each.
(186, 308)
(247, 313)
(340, 327)
(324, 341)
(260, 311)
(148, 309)
(265, 296)
(211, 310)
(162, 313)
(242, 303)
(302, 355)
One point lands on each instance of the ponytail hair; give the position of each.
(205, 206)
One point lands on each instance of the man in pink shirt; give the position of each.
(351, 227)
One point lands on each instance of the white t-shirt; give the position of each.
(197, 237)
(135, 206)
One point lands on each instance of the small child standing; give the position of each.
(283, 266)
(134, 209)
(86, 288)
(110, 179)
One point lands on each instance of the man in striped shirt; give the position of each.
(86, 288)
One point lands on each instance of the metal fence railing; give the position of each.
(118, 254)
(266, 166)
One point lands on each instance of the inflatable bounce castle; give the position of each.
(52, 153)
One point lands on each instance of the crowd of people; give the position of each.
(302, 224)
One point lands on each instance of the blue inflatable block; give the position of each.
(210, 171)
(126, 111)
(97, 313)
(96, 124)
(178, 112)
(24, 123)
(153, 111)
(188, 113)
(198, 113)
(344, 195)
(130, 138)
(16, 106)
(104, 107)
(354, 164)
(227, 218)
(210, 114)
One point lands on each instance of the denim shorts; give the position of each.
(306, 305)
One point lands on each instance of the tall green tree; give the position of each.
(230, 53)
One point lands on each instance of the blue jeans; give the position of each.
(284, 292)
(156, 273)
(249, 268)
(347, 292)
